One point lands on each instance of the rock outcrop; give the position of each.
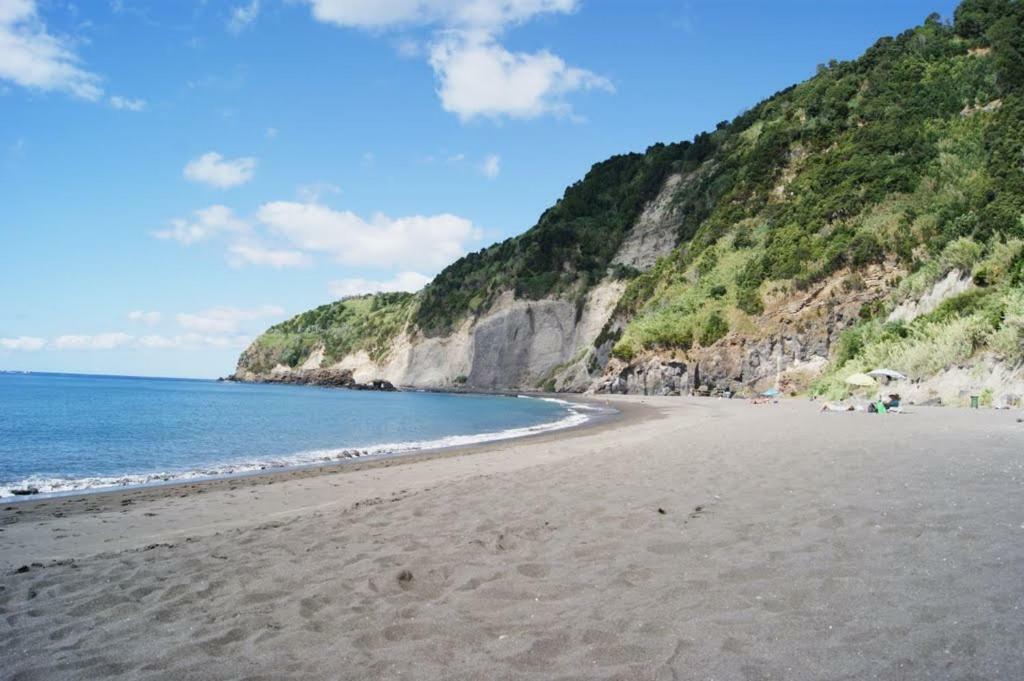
(328, 378)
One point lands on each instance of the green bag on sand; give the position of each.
(880, 407)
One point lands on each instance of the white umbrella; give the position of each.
(888, 373)
(861, 380)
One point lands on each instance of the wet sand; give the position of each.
(687, 539)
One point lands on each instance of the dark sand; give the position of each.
(688, 539)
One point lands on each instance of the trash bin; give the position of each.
(975, 401)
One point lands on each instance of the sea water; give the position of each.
(64, 432)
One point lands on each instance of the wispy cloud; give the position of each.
(491, 166)
(22, 343)
(403, 281)
(216, 171)
(151, 318)
(225, 319)
(121, 341)
(33, 58)
(125, 104)
(254, 253)
(243, 16)
(416, 241)
(216, 219)
(102, 341)
(311, 193)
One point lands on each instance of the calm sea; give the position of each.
(62, 433)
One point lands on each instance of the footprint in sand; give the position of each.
(215, 645)
(534, 570)
(310, 606)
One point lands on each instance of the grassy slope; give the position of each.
(869, 161)
(366, 323)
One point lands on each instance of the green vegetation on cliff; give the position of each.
(568, 250)
(368, 323)
(887, 158)
(911, 156)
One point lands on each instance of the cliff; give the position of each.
(871, 215)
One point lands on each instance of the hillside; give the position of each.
(871, 215)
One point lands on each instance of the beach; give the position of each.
(684, 539)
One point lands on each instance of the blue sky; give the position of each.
(176, 176)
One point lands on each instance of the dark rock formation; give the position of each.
(328, 378)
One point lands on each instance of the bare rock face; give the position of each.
(654, 233)
(954, 283)
(651, 377)
(517, 343)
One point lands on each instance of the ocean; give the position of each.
(68, 433)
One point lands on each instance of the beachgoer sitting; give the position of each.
(893, 402)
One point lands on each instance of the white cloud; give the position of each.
(213, 169)
(490, 14)
(209, 221)
(491, 166)
(32, 58)
(22, 343)
(103, 341)
(225, 319)
(126, 104)
(416, 242)
(403, 281)
(252, 253)
(115, 340)
(149, 318)
(192, 341)
(243, 15)
(477, 77)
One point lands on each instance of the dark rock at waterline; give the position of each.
(327, 378)
(376, 384)
(25, 492)
(23, 569)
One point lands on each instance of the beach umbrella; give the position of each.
(888, 373)
(770, 392)
(861, 380)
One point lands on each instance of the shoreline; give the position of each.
(687, 538)
(621, 415)
(577, 406)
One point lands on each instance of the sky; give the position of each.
(177, 176)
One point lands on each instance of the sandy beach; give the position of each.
(685, 539)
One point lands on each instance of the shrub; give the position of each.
(959, 254)
(749, 300)
(715, 327)
(624, 350)
(865, 249)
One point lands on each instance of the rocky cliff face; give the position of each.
(553, 344)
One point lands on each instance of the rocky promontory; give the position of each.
(328, 378)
